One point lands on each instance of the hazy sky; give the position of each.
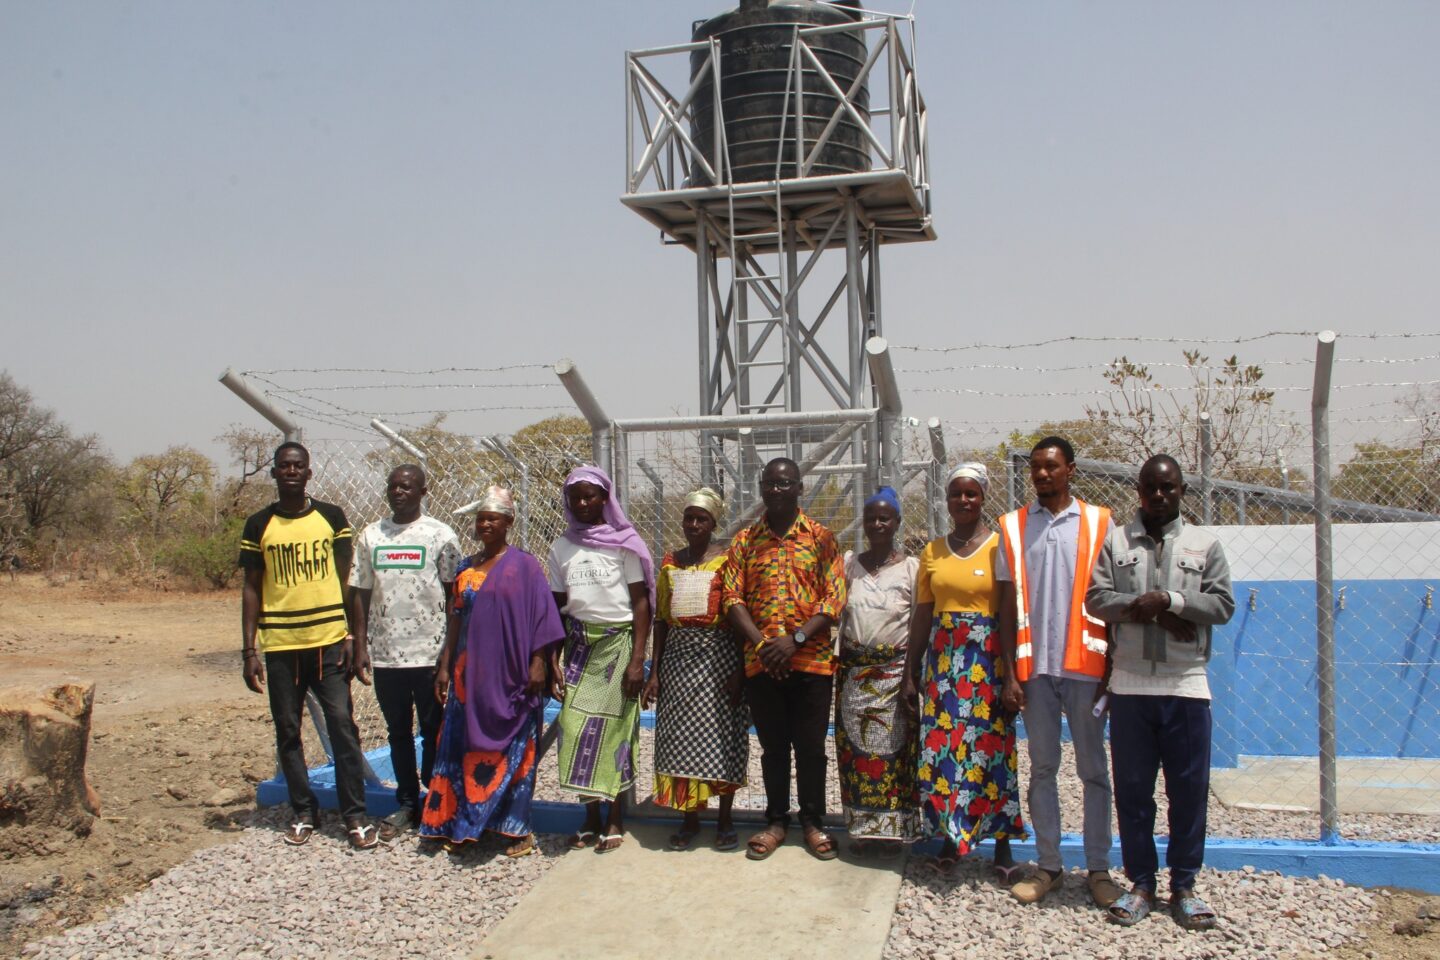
(190, 186)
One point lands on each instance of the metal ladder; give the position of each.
(742, 281)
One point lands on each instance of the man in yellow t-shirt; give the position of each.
(296, 558)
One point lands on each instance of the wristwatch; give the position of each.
(800, 638)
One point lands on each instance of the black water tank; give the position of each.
(755, 41)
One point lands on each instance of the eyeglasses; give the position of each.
(778, 484)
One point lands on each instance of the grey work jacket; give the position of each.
(1189, 563)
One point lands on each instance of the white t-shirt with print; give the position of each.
(404, 567)
(596, 580)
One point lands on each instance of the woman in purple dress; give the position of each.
(501, 616)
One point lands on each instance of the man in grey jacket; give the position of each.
(1161, 585)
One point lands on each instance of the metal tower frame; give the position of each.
(765, 321)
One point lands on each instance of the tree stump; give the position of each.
(44, 736)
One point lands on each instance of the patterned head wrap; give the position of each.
(971, 471)
(614, 529)
(497, 500)
(710, 501)
(887, 496)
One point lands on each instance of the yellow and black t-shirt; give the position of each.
(301, 604)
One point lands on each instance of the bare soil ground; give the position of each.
(174, 731)
(178, 744)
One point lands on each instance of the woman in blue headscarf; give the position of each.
(875, 748)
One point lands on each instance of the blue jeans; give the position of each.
(1146, 735)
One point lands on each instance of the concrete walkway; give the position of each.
(645, 900)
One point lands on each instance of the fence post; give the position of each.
(1207, 453)
(937, 477)
(601, 432)
(887, 390)
(385, 431)
(241, 388)
(1324, 587)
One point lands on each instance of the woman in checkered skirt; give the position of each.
(702, 745)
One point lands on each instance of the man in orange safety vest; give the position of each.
(1049, 547)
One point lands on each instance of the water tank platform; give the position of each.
(888, 202)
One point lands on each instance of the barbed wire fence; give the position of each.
(1347, 746)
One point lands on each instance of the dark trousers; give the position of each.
(288, 676)
(1148, 734)
(406, 694)
(792, 713)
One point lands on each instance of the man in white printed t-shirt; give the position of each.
(400, 581)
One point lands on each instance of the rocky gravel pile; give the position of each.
(256, 898)
(1262, 915)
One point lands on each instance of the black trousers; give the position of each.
(288, 677)
(792, 713)
(406, 694)
(1147, 734)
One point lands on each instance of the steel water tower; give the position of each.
(784, 145)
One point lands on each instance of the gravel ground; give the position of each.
(1223, 821)
(1261, 915)
(257, 898)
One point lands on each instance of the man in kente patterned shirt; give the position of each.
(784, 589)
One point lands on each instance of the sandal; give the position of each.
(948, 856)
(682, 838)
(522, 848)
(820, 844)
(765, 842)
(1190, 911)
(611, 841)
(363, 836)
(1132, 907)
(726, 839)
(581, 839)
(299, 833)
(1008, 876)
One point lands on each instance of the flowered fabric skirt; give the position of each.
(969, 785)
(472, 791)
(874, 746)
(598, 723)
(702, 746)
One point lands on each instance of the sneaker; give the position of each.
(401, 821)
(1034, 888)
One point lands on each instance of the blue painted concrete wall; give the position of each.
(1387, 644)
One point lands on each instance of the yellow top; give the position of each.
(959, 584)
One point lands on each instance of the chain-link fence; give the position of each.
(1305, 703)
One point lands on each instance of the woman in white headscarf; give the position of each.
(963, 635)
(701, 742)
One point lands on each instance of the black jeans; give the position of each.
(288, 676)
(793, 712)
(406, 694)
(1146, 734)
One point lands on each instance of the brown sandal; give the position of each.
(765, 842)
(820, 844)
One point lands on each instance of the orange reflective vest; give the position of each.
(1085, 639)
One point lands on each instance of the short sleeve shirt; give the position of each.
(595, 580)
(302, 605)
(406, 567)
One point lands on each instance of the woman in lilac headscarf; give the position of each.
(490, 677)
(604, 582)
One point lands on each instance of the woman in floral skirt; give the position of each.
(963, 636)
